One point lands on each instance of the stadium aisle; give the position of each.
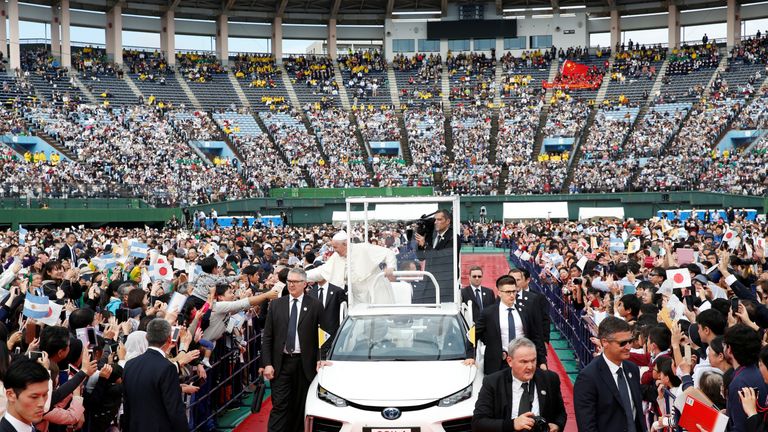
(494, 265)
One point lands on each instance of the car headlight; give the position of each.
(329, 397)
(457, 397)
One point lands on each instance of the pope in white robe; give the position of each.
(370, 274)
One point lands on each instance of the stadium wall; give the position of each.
(308, 210)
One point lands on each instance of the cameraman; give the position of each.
(535, 403)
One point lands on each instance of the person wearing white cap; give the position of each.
(365, 283)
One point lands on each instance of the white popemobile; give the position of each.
(399, 367)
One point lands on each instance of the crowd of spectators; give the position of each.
(258, 69)
(704, 334)
(299, 145)
(112, 151)
(92, 63)
(518, 121)
(517, 80)
(688, 59)
(471, 171)
(366, 78)
(313, 72)
(426, 140)
(686, 158)
(381, 125)
(567, 116)
(107, 315)
(752, 50)
(199, 67)
(425, 77)
(537, 177)
(472, 76)
(147, 65)
(720, 88)
(346, 162)
(653, 132)
(262, 167)
(640, 63)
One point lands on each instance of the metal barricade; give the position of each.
(228, 380)
(567, 319)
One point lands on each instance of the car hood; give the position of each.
(407, 382)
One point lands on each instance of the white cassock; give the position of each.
(367, 284)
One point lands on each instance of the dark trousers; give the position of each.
(289, 394)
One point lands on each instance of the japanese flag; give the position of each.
(680, 278)
(732, 238)
(161, 269)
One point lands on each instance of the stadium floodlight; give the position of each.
(573, 7)
(515, 10)
(541, 8)
(416, 12)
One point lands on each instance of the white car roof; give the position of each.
(378, 309)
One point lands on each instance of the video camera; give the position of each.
(424, 225)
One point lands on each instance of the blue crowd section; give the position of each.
(565, 317)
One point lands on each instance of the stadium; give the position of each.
(554, 131)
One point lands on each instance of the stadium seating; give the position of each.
(545, 141)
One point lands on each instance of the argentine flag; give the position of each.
(22, 235)
(36, 307)
(138, 249)
(616, 244)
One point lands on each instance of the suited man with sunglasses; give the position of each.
(607, 395)
(505, 321)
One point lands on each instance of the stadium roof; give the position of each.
(361, 11)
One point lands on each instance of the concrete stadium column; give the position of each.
(14, 53)
(114, 34)
(168, 37)
(332, 38)
(55, 33)
(615, 29)
(66, 28)
(277, 39)
(3, 31)
(222, 38)
(733, 24)
(443, 49)
(673, 22)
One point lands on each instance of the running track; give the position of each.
(494, 265)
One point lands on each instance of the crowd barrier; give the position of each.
(565, 317)
(228, 381)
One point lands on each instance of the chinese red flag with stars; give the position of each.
(571, 68)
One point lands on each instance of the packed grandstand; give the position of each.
(636, 118)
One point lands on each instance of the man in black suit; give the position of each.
(290, 353)
(436, 248)
(481, 296)
(26, 387)
(151, 390)
(67, 252)
(510, 399)
(531, 299)
(607, 395)
(330, 297)
(502, 322)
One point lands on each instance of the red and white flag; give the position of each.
(732, 238)
(680, 278)
(160, 268)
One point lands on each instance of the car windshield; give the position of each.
(401, 338)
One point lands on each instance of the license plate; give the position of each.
(386, 429)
